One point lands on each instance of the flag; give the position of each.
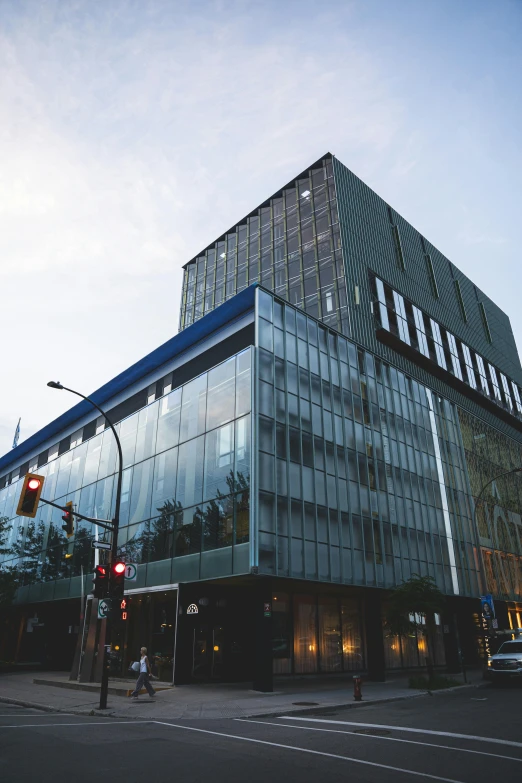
(17, 434)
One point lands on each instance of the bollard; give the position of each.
(357, 695)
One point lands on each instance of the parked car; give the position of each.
(506, 664)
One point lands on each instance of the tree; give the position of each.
(8, 574)
(418, 598)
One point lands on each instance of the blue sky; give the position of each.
(133, 133)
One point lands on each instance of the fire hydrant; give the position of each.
(357, 695)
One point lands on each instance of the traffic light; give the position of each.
(100, 585)
(117, 580)
(30, 495)
(68, 518)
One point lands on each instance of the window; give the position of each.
(431, 275)
(484, 317)
(460, 300)
(439, 348)
(401, 318)
(421, 331)
(469, 366)
(516, 394)
(398, 247)
(507, 394)
(383, 312)
(483, 377)
(494, 381)
(455, 362)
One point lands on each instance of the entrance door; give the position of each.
(208, 652)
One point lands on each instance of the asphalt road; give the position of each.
(473, 736)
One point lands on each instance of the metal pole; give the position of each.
(114, 549)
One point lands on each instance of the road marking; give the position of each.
(308, 750)
(388, 739)
(86, 723)
(406, 728)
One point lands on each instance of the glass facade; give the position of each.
(489, 453)
(360, 471)
(290, 245)
(185, 491)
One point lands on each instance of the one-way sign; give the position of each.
(100, 545)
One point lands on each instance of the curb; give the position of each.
(111, 713)
(49, 708)
(353, 705)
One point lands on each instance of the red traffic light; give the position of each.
(30, 495)
(119, 568)
(100, 571)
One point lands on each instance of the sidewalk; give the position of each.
(211, 700)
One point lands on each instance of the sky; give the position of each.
(133, 133)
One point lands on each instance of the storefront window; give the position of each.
(305, 634)
(330, 640)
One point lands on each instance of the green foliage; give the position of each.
(418, 596)
(435, 683)
(8, 574)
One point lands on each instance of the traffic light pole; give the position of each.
(100, 522)
(114, 548)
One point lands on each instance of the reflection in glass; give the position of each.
(168, 421)
(193, 408)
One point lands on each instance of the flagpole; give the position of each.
(17, 434)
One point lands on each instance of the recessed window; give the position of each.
(439, 346)
(494, 381)
(460, 300)
(484, 317)
(431, 275)
(398, 248)
(455, 362)
(516, 395)
(421, 331)
(507, 393)
(401, 317)
(469, 366)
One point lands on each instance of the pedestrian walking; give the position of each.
(145, 673)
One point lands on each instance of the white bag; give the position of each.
(135, 666)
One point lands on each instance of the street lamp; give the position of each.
(115, 525)
(476, 504)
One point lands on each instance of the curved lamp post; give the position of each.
(115, 526)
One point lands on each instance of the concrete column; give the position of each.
(374, 636)
(263, 657)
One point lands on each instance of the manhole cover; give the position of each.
(376, 732)
(306, 703)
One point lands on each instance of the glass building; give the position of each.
(286, 464)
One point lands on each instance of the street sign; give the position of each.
(100, 545)
(131, 572)
(103, 609)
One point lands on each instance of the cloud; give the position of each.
(132, 136)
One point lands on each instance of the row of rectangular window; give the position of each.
(402, 318)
